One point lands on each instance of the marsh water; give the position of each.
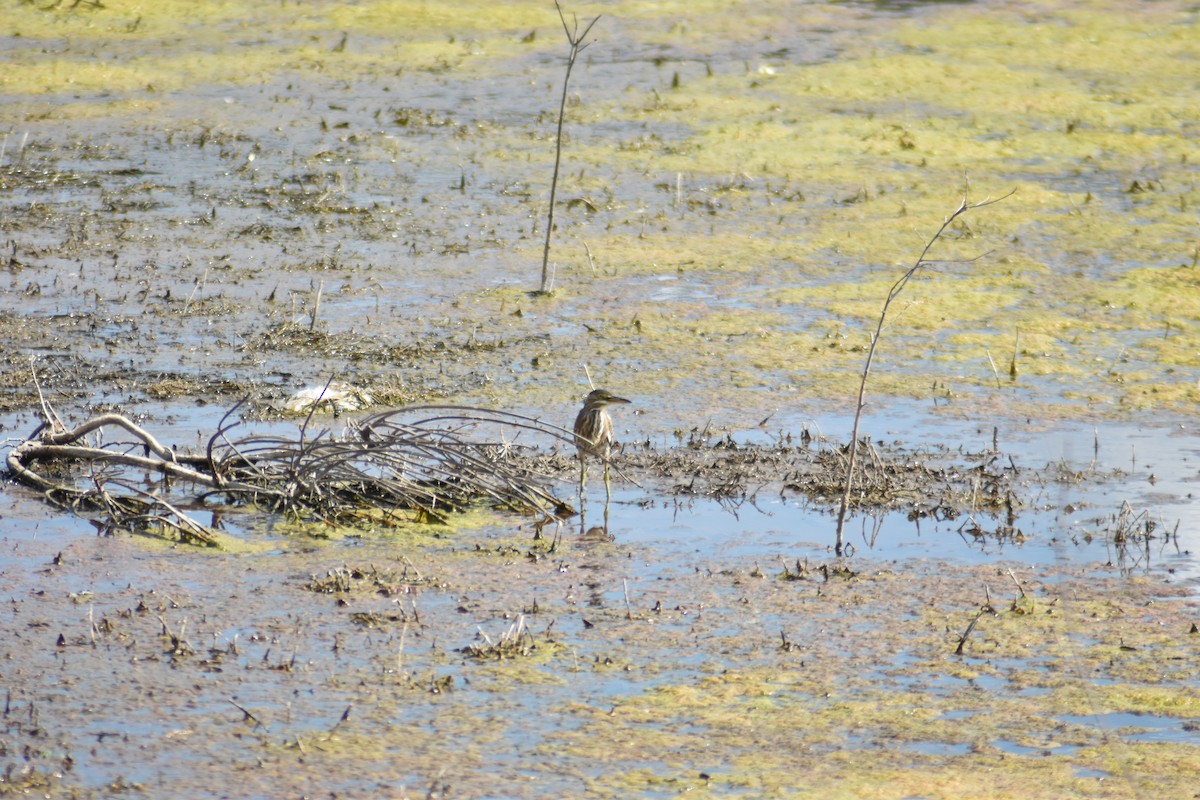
(200, 206)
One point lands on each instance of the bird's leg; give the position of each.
(582, 488)
(607, 493)
(607, 500)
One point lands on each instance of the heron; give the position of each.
(594, 437)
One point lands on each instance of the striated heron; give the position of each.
(594, 435)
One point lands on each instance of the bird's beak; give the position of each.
(618, 400)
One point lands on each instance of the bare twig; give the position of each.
(247, 716)
(47, 411)
(986, 608)
(893, 293)
(962, 639)
(575, 39)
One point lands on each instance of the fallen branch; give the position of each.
(422, 463)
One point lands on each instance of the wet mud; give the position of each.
(201, 206)
(483, 666)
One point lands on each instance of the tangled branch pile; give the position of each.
(415, 464)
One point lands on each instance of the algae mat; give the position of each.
(198, 199)
(204, 201)
(480, 665)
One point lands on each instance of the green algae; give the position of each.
(739, 233)
(684, 687)
(950, 96)
(798, 187)
(205, 30)
(747, 729)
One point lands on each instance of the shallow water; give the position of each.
(740, 190)
(135, 708)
